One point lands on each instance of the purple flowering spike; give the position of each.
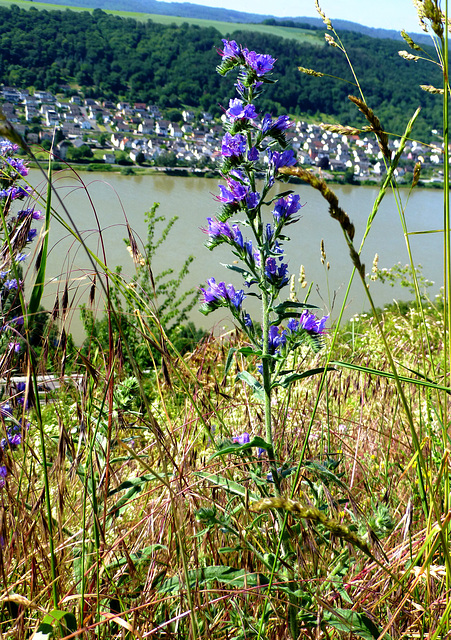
(293, 325)
(244, 438)
(233, 146)
(261, 63)
(31, 235)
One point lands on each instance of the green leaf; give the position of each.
(256, 386)
(234, 447)
(45, 629)
(140, 557)
(134, 486)
(352, 622)
(249, 351)
(229, 361)
(289, 304)
(38, 288)
(229, 485)
(244, 272)
(387, 374)
(238, 578)
(288, 379)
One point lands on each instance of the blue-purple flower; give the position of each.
(276, 275)
(233, 146)
(15, 192)
(285, 208)
(282, 158)
(253, 154)
(239, 111)
(231, 49)
(12, 284)
(276, 339)
(3, 474)
(308, 322)
(275, 127)
(221, 295)
(244, 438)
(261, 63)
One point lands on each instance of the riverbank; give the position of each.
(194, 172)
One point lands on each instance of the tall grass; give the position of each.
(129, 512)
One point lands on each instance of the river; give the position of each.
(106, 201)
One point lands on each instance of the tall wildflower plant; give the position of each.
(16, 234)
(257, 239)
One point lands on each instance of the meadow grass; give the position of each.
(224, 28)
(129, 511)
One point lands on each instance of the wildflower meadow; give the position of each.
(287, 479)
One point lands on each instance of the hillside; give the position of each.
(108, 56)
(188, 10)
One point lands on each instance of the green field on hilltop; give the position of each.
(224, 28)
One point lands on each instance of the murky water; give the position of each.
(100, 205)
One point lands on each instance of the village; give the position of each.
(143, 134)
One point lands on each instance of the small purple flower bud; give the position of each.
(252, 154)
(5, 410)
(15, 440)
(244, 438)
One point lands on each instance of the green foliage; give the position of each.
(79, 154)
(160, 294)
(173, 66)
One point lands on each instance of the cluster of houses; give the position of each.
(142, 131)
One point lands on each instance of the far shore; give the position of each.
(193, 172)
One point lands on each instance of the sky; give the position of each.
(385, 14)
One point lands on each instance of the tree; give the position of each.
(140, 158)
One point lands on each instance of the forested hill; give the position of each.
(174, 66)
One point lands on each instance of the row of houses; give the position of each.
(140, 127)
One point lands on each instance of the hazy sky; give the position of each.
(386, 14)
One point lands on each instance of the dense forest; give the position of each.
(108, 56)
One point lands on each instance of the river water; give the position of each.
(100, 204)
